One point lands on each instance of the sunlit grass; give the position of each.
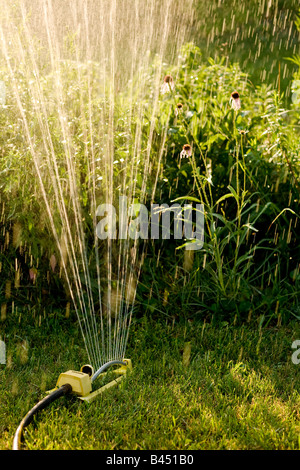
(238, 391)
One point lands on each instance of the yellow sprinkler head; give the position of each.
(80, 382)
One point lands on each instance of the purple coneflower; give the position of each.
(186, 151)
(168, 84)
(178, 109)
(235, 101)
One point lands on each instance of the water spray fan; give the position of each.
(79, 383)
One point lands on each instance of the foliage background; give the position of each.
(244, 168)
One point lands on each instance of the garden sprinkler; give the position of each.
(78, 383)
(81, 382)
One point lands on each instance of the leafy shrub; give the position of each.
(243, 170)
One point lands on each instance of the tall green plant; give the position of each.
(237, 170)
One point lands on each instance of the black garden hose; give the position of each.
(59, 392)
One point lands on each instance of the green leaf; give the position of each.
(250, 227)
(283, 210)
(186, 198)
(226, 196)
(234, 193)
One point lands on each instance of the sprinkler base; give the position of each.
(120, 372)
(81, 382)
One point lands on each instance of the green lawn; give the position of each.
(238, 389)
